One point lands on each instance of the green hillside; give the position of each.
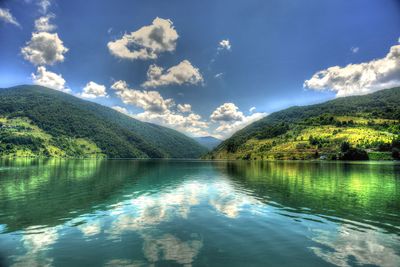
(355, 127)
(38, 121)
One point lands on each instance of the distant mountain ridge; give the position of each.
(38, 121)
(369, 123)
(209, 142)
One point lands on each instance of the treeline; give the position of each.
(380, 111)
(117, 135)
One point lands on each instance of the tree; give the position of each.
(396, 148)
(351, 153)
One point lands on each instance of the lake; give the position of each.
(198, 213)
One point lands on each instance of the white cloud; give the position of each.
(227, 129)
(7, 17)
(43, 24)
(44, 5)
(224, 44)
(121, 110)
(227, 112)
(218, 75)
(183, 73)
(44, 49)
(231, 119)
(49, 79)
(354, 50)
(159, 110)
(190, 124)
(251, 110)
(148, 100)
(184, 108)
(358, 79)
(93, 90)
(147, 42)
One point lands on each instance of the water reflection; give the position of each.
(366, 193)
(141, 213)
(169, 248)
(36, 242)
(347, 247)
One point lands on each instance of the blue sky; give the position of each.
(211, 61)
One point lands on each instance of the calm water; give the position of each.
(191, 213)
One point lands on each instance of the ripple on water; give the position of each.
(115, 213)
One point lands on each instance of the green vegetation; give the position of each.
(350, 128)
(37, 121)
(20, 138)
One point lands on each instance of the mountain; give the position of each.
(38, 121)
(354, 127)
(209, 142)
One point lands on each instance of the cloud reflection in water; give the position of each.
(364, 247)
(36, 242)
(151, 220)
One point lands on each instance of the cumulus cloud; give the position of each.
(227, 129)
(49, 79)
(161, 111)
(358, 79)
(44, 49)
(43, 23)
(150, 101)
(7, 17)
(231, 119)
(251, 110)
(227, 112)
(183, 73)
(224, 45)
(191, 124)
(184, 108)
(147, 42)
(93, 90)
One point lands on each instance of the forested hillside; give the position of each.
(38, 121)
(355, 127)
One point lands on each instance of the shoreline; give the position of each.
(205, 160)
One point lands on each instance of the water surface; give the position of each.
(197, 213)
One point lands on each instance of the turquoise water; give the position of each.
(196, 213)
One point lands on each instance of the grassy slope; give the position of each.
(367, 122)
(21, 138)
(63, 117)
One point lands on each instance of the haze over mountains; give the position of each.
(209, 142)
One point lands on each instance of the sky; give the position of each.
(201, 67)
